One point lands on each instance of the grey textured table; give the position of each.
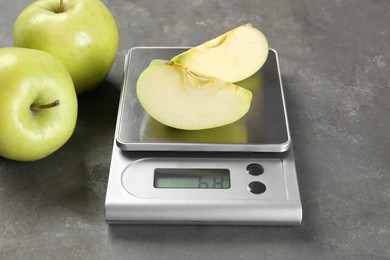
(335, 61)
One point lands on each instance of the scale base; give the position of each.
(143, 145)
(283, 207)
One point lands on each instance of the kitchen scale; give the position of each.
(241, 174)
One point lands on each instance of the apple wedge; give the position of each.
(233, 56)
(175, 96)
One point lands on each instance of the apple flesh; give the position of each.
(175, 96)
(82, 34)
(38, 108)
(233, 56)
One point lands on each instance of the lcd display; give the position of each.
(190, 178)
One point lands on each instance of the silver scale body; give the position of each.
(142, 144)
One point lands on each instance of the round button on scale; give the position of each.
(256, 187)
(255, 169)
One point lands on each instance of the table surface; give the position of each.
(335, 64)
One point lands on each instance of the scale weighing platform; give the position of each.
(240, 174)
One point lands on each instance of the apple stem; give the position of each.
(36, 107)
(61, 6)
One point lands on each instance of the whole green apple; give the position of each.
(38, 108)
(82, 34)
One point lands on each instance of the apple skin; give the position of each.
(32, 78)
(84, 37)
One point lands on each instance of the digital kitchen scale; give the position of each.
(242, 174)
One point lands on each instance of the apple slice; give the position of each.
(180, 98)
(233, 56)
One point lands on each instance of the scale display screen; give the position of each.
(191, 178)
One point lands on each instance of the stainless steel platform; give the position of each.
(263, 129)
